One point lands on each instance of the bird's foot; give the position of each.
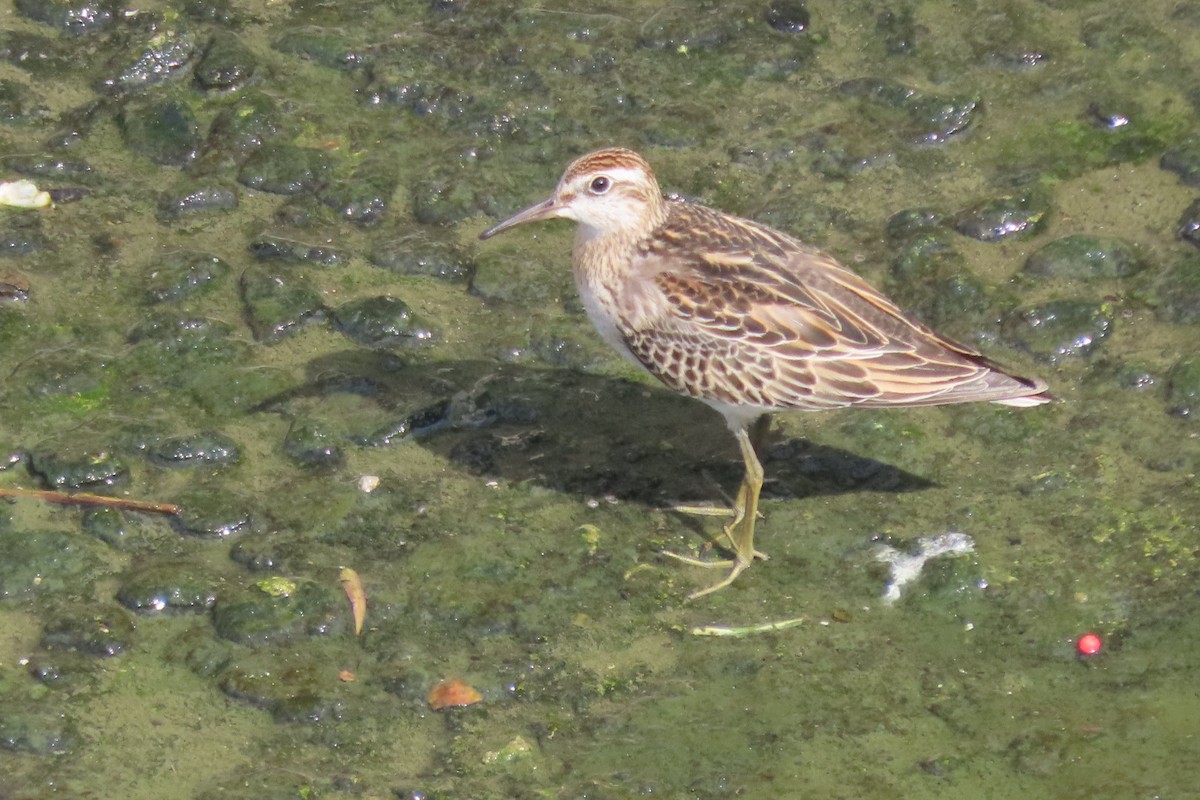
(735, 565)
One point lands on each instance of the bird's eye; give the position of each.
(599, 185)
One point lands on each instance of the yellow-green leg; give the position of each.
(739, 533)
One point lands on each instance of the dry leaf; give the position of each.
(358, 597)
(453, 692)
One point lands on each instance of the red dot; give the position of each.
(1089, 644)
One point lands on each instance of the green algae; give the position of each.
(495, 451)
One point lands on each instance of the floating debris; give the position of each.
(357, 595)
(23, 194)
(907, 567)
(747, 630)
(453, 692)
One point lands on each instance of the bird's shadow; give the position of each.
(577, 433)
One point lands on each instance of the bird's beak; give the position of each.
(547, 209)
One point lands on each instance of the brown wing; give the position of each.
(756, 318)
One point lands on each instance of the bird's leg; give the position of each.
(740, 532)
(758, 433)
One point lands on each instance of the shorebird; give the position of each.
(747, 319)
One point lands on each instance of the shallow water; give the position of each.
(514, 537)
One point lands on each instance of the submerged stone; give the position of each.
(310, 443)
(380, 322)
(38, 55)
(64, 669)
(899, 30)
(329, 48)
(920, 117)
(22, 235)
(418, 252)
(210, 514)
(200, 651)
(278, 301)
(787, 16)
(285, 169)
(1179, 292)
(208, 449)
(401, 88)
(291, 248)
(240, 129)
(910, 221)
(200, 338)
(1003, 217)
(18, 105)
(76, 471)
(106, 524)
(36, 562)
(1183, 387)
(261, 615)
(167, 588)
(182, 275)
(1113, 114)
(1083, 257)
(98, 630)
(362, 198)
(1184, 161)
(164, 56)
(292, 689)
(444, 198)
(1059, 329)
(41, 732)
(259, 553)
(196, 199)
(227, 64)
(51, 166)
(71, 16)
(681, 30)
(1189, 224)
(166, 132)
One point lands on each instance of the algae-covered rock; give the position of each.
(98, 630)
(207, 449)
(163, 55)
(179, 275)
(1003, 217)
(1059, 329)
(381, 321)
(1179, 291)
(168, 587)
(1183, 387)
(285, 169)
(36, 731)
(278, 301)
(78, 470)
(227, 64)
(419, 252)
(312, 444)
(210, 514)
(36, 562)
(166, 132)
(1083, 257)
(266, 613)
(71, 16)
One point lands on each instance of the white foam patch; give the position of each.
(907, 567)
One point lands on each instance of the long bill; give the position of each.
(547, 209)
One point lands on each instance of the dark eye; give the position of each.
(599, 185)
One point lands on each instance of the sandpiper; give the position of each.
(747, 319)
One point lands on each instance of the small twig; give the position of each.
(85, 499)
(762, 627)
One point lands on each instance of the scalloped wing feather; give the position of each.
(751, 317)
